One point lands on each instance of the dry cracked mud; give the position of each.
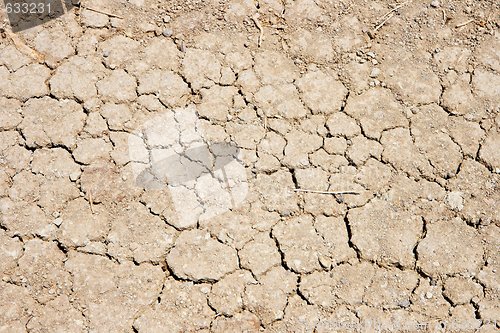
(396, 103)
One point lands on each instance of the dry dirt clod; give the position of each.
(439, 254)
(214, 260)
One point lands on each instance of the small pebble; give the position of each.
(375, 73)
(148, 27)
(58, 221)
(166, 19)
(455, 200)
(105, 53)
(167, 32)
(406, 303)
(435, 4)
(325, 262)
(428, 295)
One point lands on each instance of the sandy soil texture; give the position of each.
(151, 152)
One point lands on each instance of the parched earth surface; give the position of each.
(398, 103)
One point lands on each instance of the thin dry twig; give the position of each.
(464, 23)
(23, 48)
(393, 10)
(387, 16)
(103, 12)
(255, 20)
(324, 192)
(383, 22)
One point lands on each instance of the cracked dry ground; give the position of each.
(409, 119)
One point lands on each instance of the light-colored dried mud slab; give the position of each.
(213, 259)
(450, 247)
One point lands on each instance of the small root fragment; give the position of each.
(91, 202)
(255, 20)
(464, 23)
(325, 192)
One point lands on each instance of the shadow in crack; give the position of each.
(26, 14)
(180, 169)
